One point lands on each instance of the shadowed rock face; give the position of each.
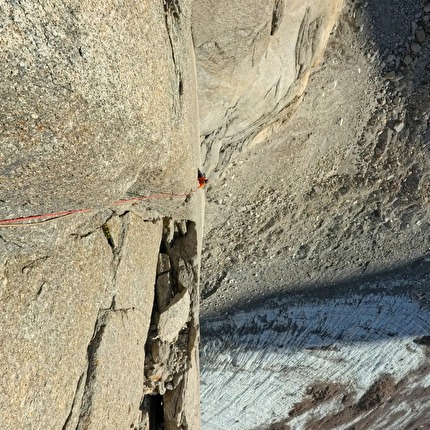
(253, 63)
(334, 204)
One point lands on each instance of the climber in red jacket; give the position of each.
(201, 177)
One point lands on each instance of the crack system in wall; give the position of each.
(172, 13)
(174, 325)
(172, 337)
(86, 404)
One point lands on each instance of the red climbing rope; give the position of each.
(54, 215)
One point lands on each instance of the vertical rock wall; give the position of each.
(98, 103)
(98, 100)
(86, 342)
(172, 345)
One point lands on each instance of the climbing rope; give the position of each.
(42, 218)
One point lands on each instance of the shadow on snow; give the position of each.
(370, 308)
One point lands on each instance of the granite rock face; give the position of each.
(73, 332)
(253, 64)
(98, 101)
(49, 304)
(79, 320)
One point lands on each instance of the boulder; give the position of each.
(175, 317)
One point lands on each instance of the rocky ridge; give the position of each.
(341, 177)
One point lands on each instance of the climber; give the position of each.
(201, 177)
